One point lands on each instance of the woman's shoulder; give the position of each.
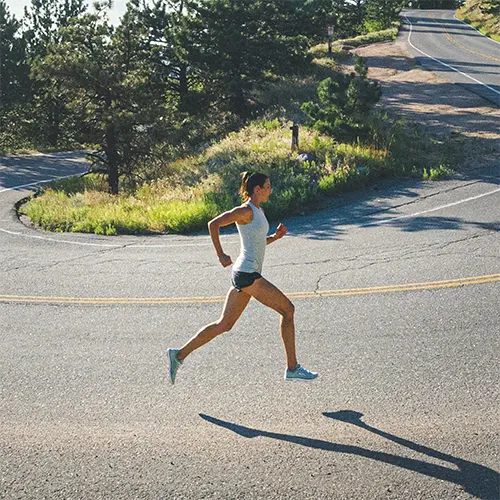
(244, 213)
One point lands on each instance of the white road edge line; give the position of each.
(472, 198)
(13, 233)
(38, 182)
(475, 29)
(368, 224)
(108, 245)
(444, 64)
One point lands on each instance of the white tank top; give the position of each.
(253, 242)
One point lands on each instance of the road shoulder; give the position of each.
(442, 108)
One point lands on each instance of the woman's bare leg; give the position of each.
(233, 308)
(269, 295)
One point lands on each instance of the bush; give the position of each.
(372, 37)
(345, 104)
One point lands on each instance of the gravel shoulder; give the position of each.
(442, 108)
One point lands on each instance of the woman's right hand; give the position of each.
(225, 260)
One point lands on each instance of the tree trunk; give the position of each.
(54, 120)
(111, 151)
(239, 102)
(183, 86)
(112, 158)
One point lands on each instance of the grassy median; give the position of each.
(195, 188)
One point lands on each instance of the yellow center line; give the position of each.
(430, 285)
(458, 44)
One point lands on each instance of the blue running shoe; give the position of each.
(300, 374)
(173, 364)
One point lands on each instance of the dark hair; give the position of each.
(249, 181)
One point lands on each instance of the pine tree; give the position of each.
(239, 42)
(344, 16)
(14, 76)
(44, 21)
(107, 74)
(345, 103)
(380, 14)
(171, 24)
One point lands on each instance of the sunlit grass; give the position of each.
(199, 186)
(211, 181)
(373, 37)
(487, 24)
(83, 205)
(101, 213)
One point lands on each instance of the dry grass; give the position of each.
(488, 24)
(199, 186)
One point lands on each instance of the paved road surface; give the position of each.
(454, 50)
(408, 400)
(397, 306)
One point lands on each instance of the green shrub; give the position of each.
(443, 171)
(345, 102)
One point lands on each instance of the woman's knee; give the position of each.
(288, 310)
(224, 325)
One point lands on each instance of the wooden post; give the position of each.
(295, 136)
(330, 39)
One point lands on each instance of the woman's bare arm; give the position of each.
(242, 215)
(281, 230)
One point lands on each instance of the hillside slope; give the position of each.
(484, 15)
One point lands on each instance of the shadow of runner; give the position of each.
(477, 480)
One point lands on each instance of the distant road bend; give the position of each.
(453, 49)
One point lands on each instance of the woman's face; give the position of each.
(265, 191)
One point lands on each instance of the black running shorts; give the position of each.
(241, 280)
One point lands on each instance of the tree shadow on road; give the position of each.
(22, 170)
(477, 480)
(380, 205)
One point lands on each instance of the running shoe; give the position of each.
(300, 373)
(173, 364)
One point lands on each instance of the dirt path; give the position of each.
(443, 108)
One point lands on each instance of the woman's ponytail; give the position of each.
(243, 186)
(248, 182)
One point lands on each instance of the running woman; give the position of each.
(247, 280)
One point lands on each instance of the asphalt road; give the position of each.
(454, 50)
(406, 406)
(397, 306)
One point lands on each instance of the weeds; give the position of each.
(207, 183)
(443, 171)
(195, 188)
(486, 23)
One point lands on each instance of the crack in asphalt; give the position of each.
(487, 256)
(73, 259)
(382, 259)
(404, 256)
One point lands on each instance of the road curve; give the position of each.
(396, 293)
(454, 50)
(398, 290)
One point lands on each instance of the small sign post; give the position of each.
(295, 136)
(330, 39)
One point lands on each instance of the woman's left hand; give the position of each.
(281, 230)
